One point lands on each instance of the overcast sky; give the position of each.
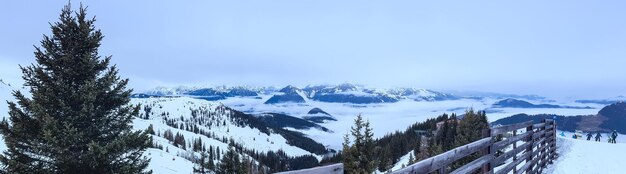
(561, 48)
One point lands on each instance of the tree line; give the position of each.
(362, 154)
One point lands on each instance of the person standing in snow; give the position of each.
(598, 136)
(614, 136)
(589, 135)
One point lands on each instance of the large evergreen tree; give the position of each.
(78, 119)
(358, 157)
(470, 130)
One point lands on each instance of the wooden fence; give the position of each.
(538, 144)
(329, 169)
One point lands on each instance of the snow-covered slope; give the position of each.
(180, 109)
(211, 122)
(581, 156)
(162, 162)
(402, 162)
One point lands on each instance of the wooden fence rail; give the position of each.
(329, 169)
(535, 142)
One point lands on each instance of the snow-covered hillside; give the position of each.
(221, 123)
(581, 156)
(210, 122)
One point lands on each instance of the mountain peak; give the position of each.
(317, 111)
(346, 87)
(289, 89)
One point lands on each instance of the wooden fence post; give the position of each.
(514, 147)
(543, 146)
(488, 166)
(553, 142)
(529, 149)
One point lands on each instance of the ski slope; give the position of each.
(582, 156)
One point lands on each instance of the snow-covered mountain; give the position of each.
(342, 93)
(421, 94)
(288, 94)
(348, 93)
(318, 115)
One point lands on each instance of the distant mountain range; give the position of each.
(611, 117)
(603, 101)
(343, 93)
(515, 103)
(210, 93)
(480, 95)
(354, 94)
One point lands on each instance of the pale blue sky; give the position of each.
(562, 48)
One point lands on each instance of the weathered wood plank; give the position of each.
(474, 165)
(538, 134)
(535, 144)
(508, 128)
(544, 159)
(329, 169)
(529, 149)
(510, 153)
(501, 144)
(539, 125)
(436, 162)
(528, 166)
(549, 133)
(510, 166)
(540, 163)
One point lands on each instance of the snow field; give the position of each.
(588, 157)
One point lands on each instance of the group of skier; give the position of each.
(612, 137)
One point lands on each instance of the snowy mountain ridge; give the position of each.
(342, 93)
